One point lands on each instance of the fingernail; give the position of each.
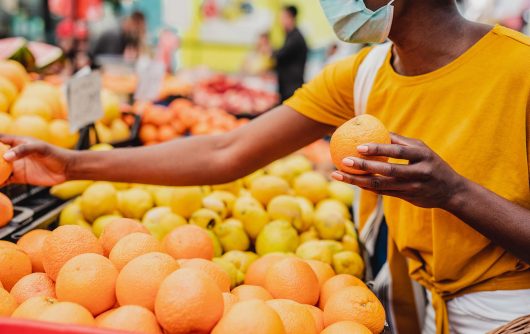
(9, 155)
(349, 162)
(337, 176)
(362, 149)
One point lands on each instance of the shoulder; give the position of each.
(512, 44)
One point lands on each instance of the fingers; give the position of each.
(370, 182)
(23, 150)
(11, 140)
(400, 140)
(378, 167)
(396, 151)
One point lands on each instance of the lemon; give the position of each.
(311, 185)
(236, 276)
(134, 203)
(315, 250)
(241, 260)
(310, 234)
(100, 223)
(347, 262)
(341, 192)
(286, 208)
(161, 220)
(333, 205)
(232, 187)
(119, 130)
(251, 213)
(265, 188)
(72, 215)
(226, 197)
(99, 199)
(60, 134)
(216, 205)
(70, 189)
(277, 236)
(186, 200)
(232, 236)
(247, 180)
(205, 218)
(308, 212)
(217, 248)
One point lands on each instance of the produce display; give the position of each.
(232, 95)
(182, 117)
(277, 245)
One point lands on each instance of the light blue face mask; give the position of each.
(354, 23)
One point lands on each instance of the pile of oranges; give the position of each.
(160, 124)
(128, 280)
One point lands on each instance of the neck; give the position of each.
(427, 38)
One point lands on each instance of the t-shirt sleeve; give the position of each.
(328, 98)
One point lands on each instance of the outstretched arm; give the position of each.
(429, 182)
(191, 161)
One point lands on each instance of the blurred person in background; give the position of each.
(259, 60)
(291, 58)
(127, 41)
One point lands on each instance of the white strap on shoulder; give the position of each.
(364, 80)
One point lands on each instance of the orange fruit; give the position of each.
(188, 242)
(6, 209)
(249, 292)
(346, 327)
(6, 168)
(8, 304)
(363, 129)
(131, 318)
(117, 229)
(357, 304)
(229, 300)
(14, 264)
(15, 72)
(251, 316)
(131, 246)
(318, 317)
(64, 243)
(335, 284)
(323, 270)
(33, 285)
(166, 133)
(212, 270)
(9, 244)
(292, 278)
(256, 271)
(32, 243)
(134, 287)
(188, 301)
(148, 133)
(67, 313)
(33, 307)
(296, 318)
(89, 280)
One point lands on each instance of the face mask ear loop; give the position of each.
(389, 25)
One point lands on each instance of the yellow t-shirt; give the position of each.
(473, 112)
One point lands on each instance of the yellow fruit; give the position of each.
(241, 260)
(15, 72)
(309, 235)
(217, 248)
(6, 120)
(334, 205)
(31, 126)
(232, 236)
(99, 199)
(251, 213)
(315, 250)
(347, 262)
(265, 188)
(111, 107)
(232, 187)
(186, 200)
(8, 89)
(330, 224)
(119, 130)
(341, 192)
(134, 203)
(61, 135)
(31, 107)
(236, 276)
(277, 236)
(216, 205)
(72, 215)
(44, 91)
(247, 180)
(104, 133)
(308, 212)
(311, 185)
(360, 130)
(297, 165)
(101, 147)
(286, 208)
(162, 195)
(205, 218)
(70, 189)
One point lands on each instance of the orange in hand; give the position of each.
(364, 129)
(6, 168)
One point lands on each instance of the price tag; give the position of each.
(150, 75)
(84, 100)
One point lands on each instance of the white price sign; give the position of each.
(83, 94)
(150, 76)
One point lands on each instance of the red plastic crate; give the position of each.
(17, 326)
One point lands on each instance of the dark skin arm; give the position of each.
(429, 182)
(192, 161)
